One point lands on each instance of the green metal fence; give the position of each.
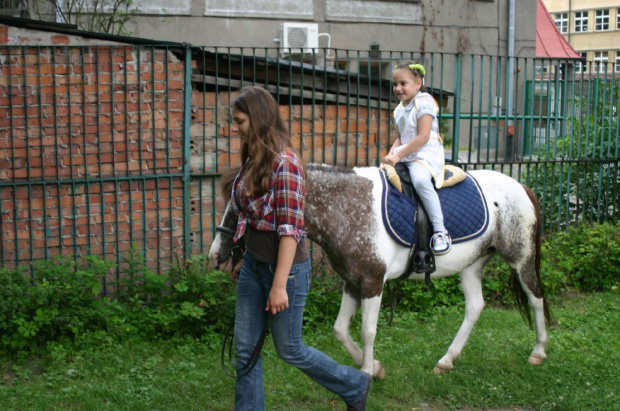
(105, 148)
(91, 158)
(551, 124)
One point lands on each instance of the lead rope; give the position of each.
(247, 368)
(253, 357)
(237, 254)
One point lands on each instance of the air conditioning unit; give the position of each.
(298, 38)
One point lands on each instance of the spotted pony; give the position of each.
(343, 216)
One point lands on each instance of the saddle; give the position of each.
(421, 257)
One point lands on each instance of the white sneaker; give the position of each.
(441, 243)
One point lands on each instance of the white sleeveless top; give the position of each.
(406, 119)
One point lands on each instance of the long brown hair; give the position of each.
(267, 135)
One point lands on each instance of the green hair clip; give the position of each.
(419, 67)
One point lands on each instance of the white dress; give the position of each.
(432, 153)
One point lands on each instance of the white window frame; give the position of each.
(601, 58)
(580, 66)
(617, 65)
(581, 21)
(618, 19)
(561, 22)
(601, 20)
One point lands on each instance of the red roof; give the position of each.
(550, 43)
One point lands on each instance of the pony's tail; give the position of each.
(515, 285)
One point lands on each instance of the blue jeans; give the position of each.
(250, 319)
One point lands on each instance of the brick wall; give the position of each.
(91, 152)
(91, 149)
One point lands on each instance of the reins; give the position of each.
(238, 249)
(237, 254)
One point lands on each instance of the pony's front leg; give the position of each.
(348, 309)
(370, 317)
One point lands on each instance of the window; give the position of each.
(618, 19)
(602, 20)
(561, 22)
(581, 21)
(10, 8)
(617, 65)
(600, 61)
(581, 66)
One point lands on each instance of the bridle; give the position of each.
(237, 249)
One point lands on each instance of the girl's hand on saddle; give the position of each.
(391, 159)
(278, 300)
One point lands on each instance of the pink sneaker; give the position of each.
(441, 243)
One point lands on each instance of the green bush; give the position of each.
(58, 304)
(583, 258)
(12, 286)
(324, 297)
(57, 307)
(415, 296)
(191, 299)
(589, 256)
(201, 300)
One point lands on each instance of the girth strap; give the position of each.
(421, 257)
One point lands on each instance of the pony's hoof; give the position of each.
(380, 372)
(440, 369)
(536, 359)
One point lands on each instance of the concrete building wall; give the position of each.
(477, 27)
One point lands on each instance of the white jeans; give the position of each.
(423, 183)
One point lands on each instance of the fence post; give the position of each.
(457, 107)
(186, 134)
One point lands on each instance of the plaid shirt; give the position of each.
(281, 209)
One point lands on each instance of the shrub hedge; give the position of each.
(58, 306)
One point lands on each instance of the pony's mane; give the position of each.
(228, 177)
(328, 169)
(226, 181)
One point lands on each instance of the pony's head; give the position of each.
(224, 252)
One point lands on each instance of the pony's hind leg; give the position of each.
(529, 295)
(348, 309)
(525, 281)
(538, 355)
(527, 288)
(474, 304)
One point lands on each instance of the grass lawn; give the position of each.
(582, 371)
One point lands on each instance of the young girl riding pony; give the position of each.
(419, 145)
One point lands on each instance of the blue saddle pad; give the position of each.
(463, 205)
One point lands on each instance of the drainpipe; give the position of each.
(187, 108)
(570, 13)
(509, 79)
